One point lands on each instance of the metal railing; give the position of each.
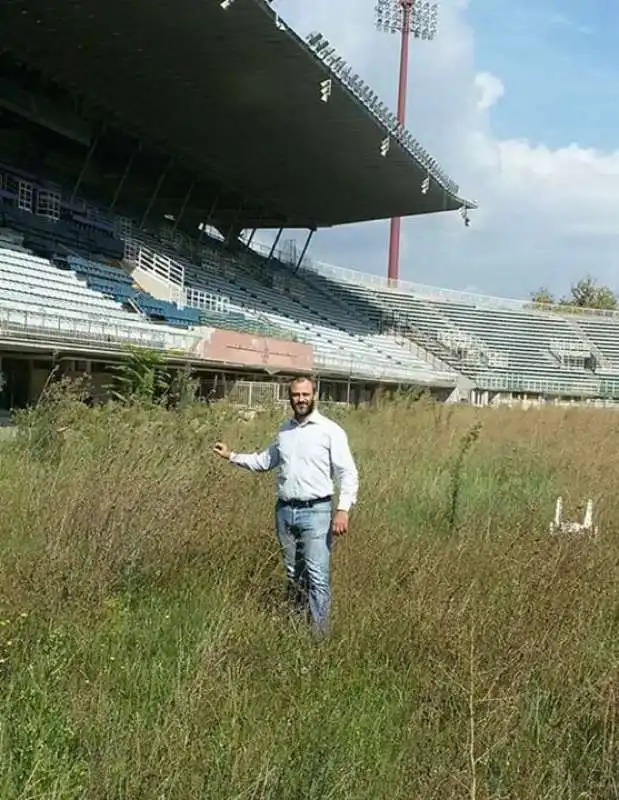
(255, 393)
(92, 330)
(570, 346)
(378, 282)
(517, 383)
(359, 369)
(172, 272)
(368, 280)
(206, 301)
(149, 260)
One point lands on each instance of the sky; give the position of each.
(518, 100)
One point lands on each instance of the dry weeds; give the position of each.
(144, 655)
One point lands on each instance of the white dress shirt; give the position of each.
(309, 455)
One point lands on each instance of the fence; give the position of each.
(50, 324)
(378, 282)
(149, 260)
(255, 394)
(576, 388)
(206, 301)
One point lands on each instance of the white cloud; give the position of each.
(546, 216)
(490, 90)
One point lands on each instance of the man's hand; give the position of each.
(339, 524)
(221, 449)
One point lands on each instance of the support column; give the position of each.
(305, 249)
(233, 230)
(125, 175)
(206, 222)
(85, 165)
(274, 245)
(183, 207)
(393, 270)
(155, 193)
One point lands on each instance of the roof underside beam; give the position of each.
(231, 95)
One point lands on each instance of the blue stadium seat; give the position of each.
(165, 310)
(113, 282)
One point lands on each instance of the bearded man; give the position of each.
(309, 452)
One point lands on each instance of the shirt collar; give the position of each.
(314, 418)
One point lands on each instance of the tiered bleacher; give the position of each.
(49, 221)
(338, 339)
(503, 345)
(218, 289)
(71, 268)
(339, 343)
(117, 284)
(37, 297)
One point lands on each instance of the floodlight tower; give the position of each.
(417, 18)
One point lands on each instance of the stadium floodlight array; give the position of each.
(339, 67)
(419, 18)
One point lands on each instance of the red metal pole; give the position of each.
(393, 270)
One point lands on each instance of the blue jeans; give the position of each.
(305, 538)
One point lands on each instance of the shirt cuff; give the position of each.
(344, 505)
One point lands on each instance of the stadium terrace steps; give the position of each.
(341, 343)
(204, 307)
(604, 333)
(366, 318)
(113, 282)
(256, 305)
(497, 347)
(603, 361)
(326, 326)
(239, 322)
(47, 236)
(36, 294)
(355, 328)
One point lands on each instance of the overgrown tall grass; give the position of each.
(144, 652)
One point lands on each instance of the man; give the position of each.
(309, 451)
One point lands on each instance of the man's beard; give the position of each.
(305, 412)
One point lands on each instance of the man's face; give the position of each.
(302, 398)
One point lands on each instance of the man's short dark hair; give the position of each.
(299, 379)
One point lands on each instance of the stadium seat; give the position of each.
(115, 283)
(341, 341)
(34, 293)
(356, 326)
(498, 343)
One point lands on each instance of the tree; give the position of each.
(543, 296)
(588, 294)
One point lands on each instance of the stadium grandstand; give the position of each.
(141, 150)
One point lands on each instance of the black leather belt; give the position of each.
(306, 503)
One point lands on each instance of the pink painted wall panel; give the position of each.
(247, 350)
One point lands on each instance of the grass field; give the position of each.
(144, 654)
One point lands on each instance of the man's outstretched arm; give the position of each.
(254, 462)
(346, 474)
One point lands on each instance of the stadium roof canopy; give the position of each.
(235, 96)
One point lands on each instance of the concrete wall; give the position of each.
(233, 347)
